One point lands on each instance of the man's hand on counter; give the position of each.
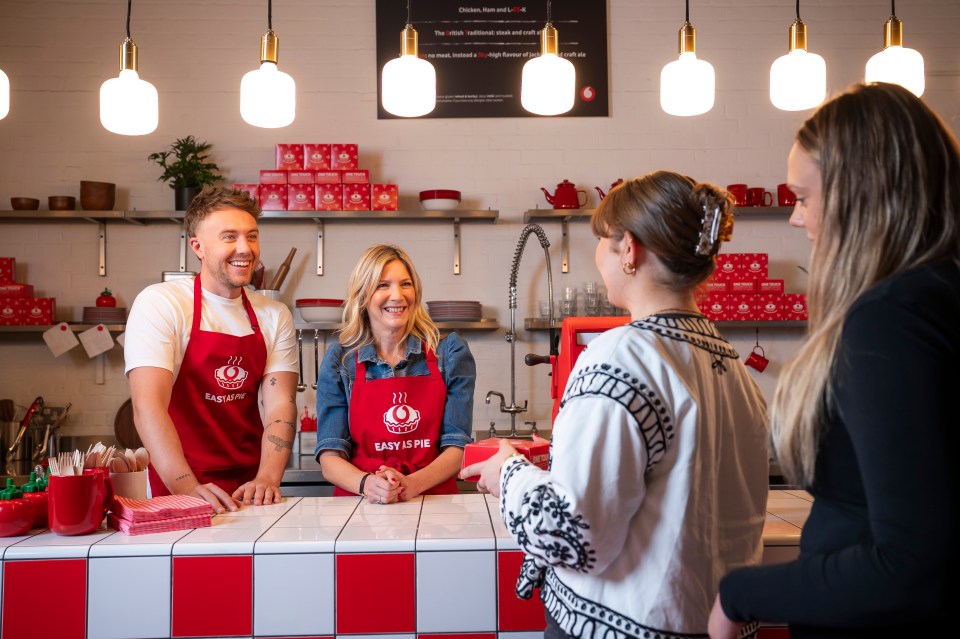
(258, 492)
(216, 497)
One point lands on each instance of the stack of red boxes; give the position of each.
(740, 291)
(18, 306)
(320, 177)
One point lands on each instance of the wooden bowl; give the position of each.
(97, 196)
(24, 203)
(62, 202)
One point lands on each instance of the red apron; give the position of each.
(397, 421)
(215, 405)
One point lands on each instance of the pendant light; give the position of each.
(896, 64)
(687, 85)
(4, 95)
(128, 105)
(408, 83)
(798, 80)
(549, 83)
(268, 96)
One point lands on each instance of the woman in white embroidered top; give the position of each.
(658, 476)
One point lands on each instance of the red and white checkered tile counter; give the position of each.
(436, 567)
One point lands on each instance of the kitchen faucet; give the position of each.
(513, 409)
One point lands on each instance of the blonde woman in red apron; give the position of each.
(394, 402)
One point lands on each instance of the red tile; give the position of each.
(514, 613)
(212, 596)
(63, 581)
(396, 609)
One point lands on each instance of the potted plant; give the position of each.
(186, 168)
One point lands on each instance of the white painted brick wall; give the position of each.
(57, 53)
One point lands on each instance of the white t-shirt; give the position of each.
(158, 326)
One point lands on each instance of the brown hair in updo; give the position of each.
(665, 212)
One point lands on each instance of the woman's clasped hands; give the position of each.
(385, 486)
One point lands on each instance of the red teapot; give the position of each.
(567, 196)
(600, 191)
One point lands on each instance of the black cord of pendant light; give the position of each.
(798, 10)
(549, 12)
(129, 8)
(270, 15)
(893, 7)
(409, 19)
(687, 14)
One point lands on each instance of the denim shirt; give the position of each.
(335, 386)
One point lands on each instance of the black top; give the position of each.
(878, 554)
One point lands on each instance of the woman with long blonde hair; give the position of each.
(863, 417)
(394, 401)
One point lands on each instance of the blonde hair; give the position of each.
(356, 332)
(891, 199)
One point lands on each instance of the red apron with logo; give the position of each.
(397, 421)
(215, 405)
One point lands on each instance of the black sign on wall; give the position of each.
(478, 49)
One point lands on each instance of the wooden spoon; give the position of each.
(119, 465)
(143, 458)
(131, 460)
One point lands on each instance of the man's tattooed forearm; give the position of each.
(279, 442)
(282, 421)
(183, 476)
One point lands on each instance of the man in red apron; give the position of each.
(202, 423)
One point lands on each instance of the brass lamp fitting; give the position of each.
(408, 41)
(549, 40)
(798, 35)
(688, 39)
(269, 47)
(128, 55)
(892, 33)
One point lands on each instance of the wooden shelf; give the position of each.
(61, 216)
(541, 324)
(486, 324)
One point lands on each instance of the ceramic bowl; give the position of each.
(320, 310)
(24, 203)
(62, 202)
(439, 199)
(97, 196)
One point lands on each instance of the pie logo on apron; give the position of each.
(400, 418)
(231, 376)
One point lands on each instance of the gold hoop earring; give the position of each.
(629, 268)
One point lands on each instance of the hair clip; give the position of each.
(711, 228)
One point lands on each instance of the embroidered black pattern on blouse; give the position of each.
(695, 330)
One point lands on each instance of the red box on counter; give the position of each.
(770, 306)
(384, 197)
(356, 176)
(770, 286)
(327, 177)
(16, 290)
(741, 308)
(743, 287)
(754, 265)
(273, 177)
(715, 306)
(290, 157)
(301, 197)
(794, 306)
(727, 267)
(316, 157)
(253, 190)
(537, 451)
(10, 312)
(714, 286)
(38, 311)
(328, 197)
(8, 269)
(300, 177)
(273, 197)
(356, 197)
(344, 157)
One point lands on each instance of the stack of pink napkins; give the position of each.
(159, 514)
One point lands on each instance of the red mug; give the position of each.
(785, 197)
(77, 503)
(757, 360)
(739, 193)
(758, 196)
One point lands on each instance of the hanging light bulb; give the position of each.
(409, 84)
(548, 85)
(4, 95)
(687, 85)
(896, 64)
(268, 96)
(128, 105)
(798, 80)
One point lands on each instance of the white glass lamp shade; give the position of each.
(687, 86)
(798, 81)
(129, 105)
(548, 85)
(898, 65)
(4, 95)
(268, 97)
(409, 86)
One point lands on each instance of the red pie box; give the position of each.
(8, 267)
(290, 157)
(343, 157)
(272, 177)
(273, 197)
(770, 306)
(754, 265)
(743, 287)
(357, 176)
(384, 197)
(329, 197)
(300, 177)
(770, 286)
(327, 177)
(38, 311)
(316, 157)
(740, 308)
(794, 306)
(301, 197)
(10, 312)
(16, 290)
(356, 197)
(536, 451)
(253, 190)
(727, 267)
(714, 286)
(715, 306)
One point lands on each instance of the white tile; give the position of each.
(128, 598)
(332, 503)
(411, 507)
(124, 545)
(218, 541)
(49, 545)
(264, 511)
(432, 537)
(253, 523)
(362, 539)
(397, 636)
(293, 594)
(441, 608)
(454, 503)
(379, 519)
(6, 542)
(297, 540)
(296, 520)
(453, 519)
(520, 635)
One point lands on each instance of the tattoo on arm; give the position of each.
(183, 476)
(279, 442)
(273, 381)
(282, 421)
